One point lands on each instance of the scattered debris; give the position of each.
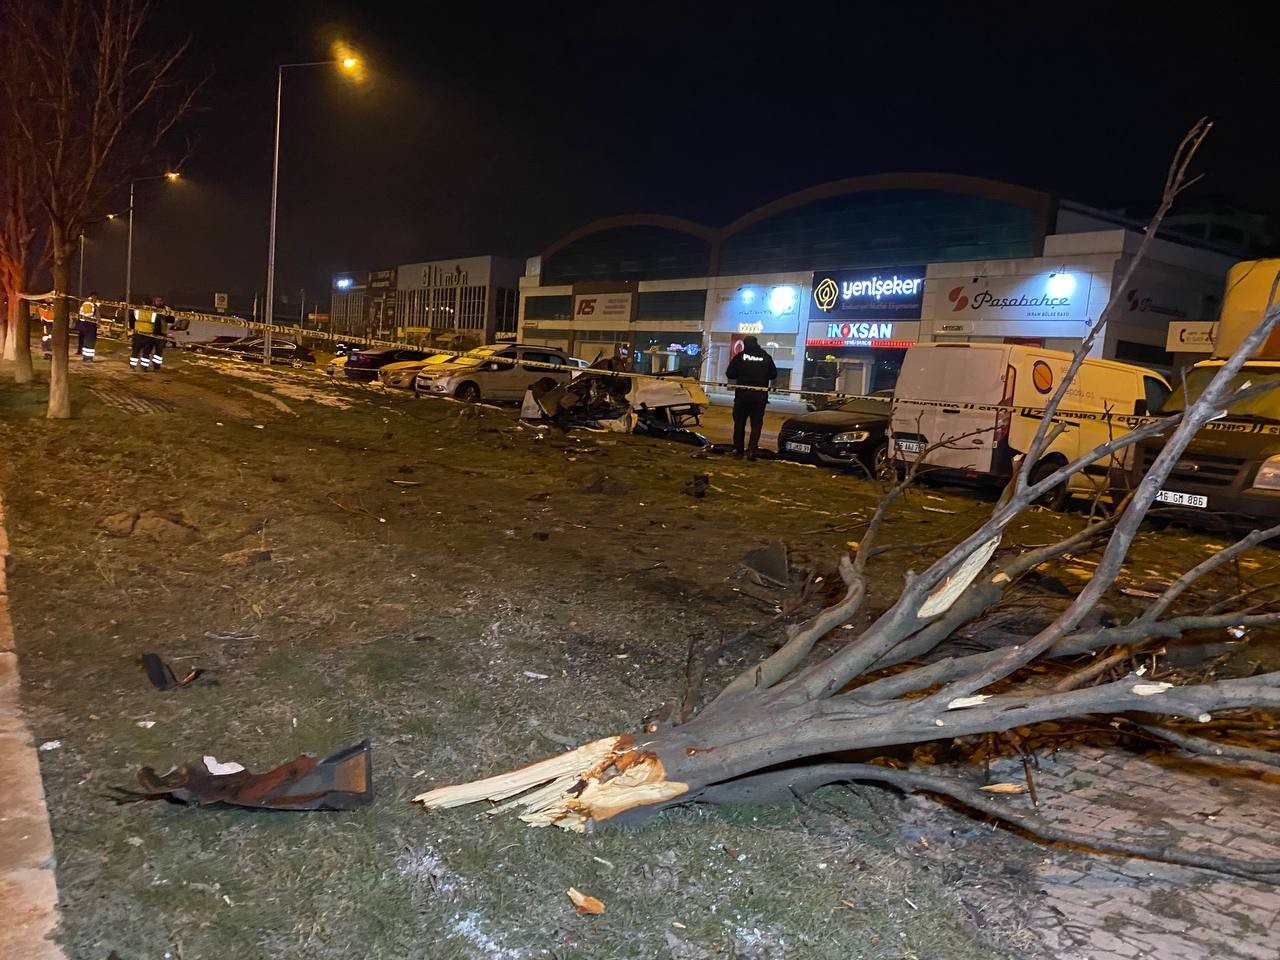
(768, 566)
(697, 485)
(162, 676)
(338, 782)
(584, 902)
(535, 676)
(50, 745)
(597, 481)
(1004, 788)
(146, 724)
(218, 769)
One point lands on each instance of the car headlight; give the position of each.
(852, 436)
(1268, 477)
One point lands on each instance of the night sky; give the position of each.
(484, 128)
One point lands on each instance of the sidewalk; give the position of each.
(27, 888)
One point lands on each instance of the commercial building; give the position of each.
(455, 303)
(838, 280)
(363, 304)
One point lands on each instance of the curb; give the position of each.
(28, 889)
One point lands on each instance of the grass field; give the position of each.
(414, 616)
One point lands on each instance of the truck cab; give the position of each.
(1229, 475)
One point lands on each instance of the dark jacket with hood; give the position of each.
(752, 367)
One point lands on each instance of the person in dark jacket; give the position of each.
(751, 367)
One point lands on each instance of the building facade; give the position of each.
(839, 280)
(463, 302)
(445, 303)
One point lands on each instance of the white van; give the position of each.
(943, 385)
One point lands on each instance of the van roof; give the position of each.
(1061, 354)
(1268, 364)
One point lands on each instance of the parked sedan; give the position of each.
(400, 375)
(851, 433)
(364, 365)
(283, 351)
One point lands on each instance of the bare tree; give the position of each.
(95, 99)
(775, 728)
(19, 212)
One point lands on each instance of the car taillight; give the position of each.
(1005, 417)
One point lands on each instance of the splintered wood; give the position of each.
(593, 782)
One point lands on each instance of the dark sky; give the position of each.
(488, 128)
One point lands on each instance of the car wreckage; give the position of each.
(606, 398)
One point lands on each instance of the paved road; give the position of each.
(717, 420)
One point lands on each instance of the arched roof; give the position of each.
(1038, 203)
(709, 234)
(1033, 200)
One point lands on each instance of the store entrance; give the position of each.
(857, 371)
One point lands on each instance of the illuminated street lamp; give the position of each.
(351, 65)
(171, 176)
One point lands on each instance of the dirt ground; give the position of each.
(469, 595)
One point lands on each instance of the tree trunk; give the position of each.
(59, 387)
(17, 346)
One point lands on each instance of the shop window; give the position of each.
(1143, 353)
(548, 308)
(672, 305)
(505, 304)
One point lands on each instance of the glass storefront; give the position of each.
(853, 370)
(662, 352)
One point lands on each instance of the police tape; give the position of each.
(1067, 417)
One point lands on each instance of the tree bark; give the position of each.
(59, 388)
(18, 344)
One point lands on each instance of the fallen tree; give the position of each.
(793, 721)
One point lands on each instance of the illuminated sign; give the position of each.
(756, 308)
(878, 334)
(890, 293)
(343, 283)
(1052, 296)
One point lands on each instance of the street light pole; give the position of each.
(171, 176)
(347, 63)
(80, 286)
(128, 257)
(271, 242)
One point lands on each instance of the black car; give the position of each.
(365, 364)
(283, 351)
(850, 433)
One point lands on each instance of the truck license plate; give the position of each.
(797, 447)
(910, 446)
(1182, 499)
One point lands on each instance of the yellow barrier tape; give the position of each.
(1125, 420)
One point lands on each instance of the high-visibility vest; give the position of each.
(46, 314)
(144, 321)
(88, 310)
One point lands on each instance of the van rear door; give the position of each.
(932, 403)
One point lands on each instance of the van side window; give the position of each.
(531, 356)
(1156, 394)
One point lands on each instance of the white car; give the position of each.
(499, 372)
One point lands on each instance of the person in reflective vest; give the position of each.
(46, 328)
(164, 320)
(87, 328)
(148, 329)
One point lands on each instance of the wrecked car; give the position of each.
(598, 400)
